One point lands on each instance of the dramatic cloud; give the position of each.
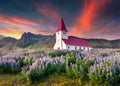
(83, 18)
(17, 26)
(16, 21)
(49, 12)
(91, 11)
(16, 32)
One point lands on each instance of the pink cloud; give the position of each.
(91, 11)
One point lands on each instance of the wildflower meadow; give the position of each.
(95, 67)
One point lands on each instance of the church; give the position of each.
(65, 42)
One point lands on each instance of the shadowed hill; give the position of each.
(7, 43)
(1, 37)
(29, 40)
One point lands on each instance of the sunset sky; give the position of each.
(83, 18)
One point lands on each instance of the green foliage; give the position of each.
(71, 58)
(104, 80)
(50, 69)
(28, 61)
(61, 69)
(104, 54)
(12, 69)
(25, 76)
(82, 55)
(95, 79)
(9, 69)
(57, 53)
(72, 73)
(84, 65)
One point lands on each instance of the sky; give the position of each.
(83, 18)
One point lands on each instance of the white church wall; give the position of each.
(59, 43)
(56, 46)
(64, 46)
(64, 35)
(71, 47)
(61, 35)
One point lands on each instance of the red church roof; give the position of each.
(61, 26)
(76, 42)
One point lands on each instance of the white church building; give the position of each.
(65, 42)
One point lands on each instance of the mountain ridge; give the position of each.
(32, 41)
(1, 37)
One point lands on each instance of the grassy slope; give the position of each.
(15, 80)
(53, 80)
(10, 80)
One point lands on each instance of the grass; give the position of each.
(10, 80)
(16, 80)
(52, 80)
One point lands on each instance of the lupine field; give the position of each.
(96, 67)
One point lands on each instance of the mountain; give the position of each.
(7, 43)
(1, 37)
(27, 39)
(100, 43)
(32, 41)
(44, 42)
(115, 43)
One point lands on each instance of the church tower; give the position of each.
(61, 33)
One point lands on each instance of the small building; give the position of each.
(65, 42)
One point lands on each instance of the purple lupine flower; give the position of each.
(111, 74)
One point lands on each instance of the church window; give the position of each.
(64, 33)
(80, 48)
(75, 47)
(68, 47)
(84, 48)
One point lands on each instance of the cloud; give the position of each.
(16, 20)
(110, 28)
(17, 26)
(11, 32)
(91, 11)
(48, 11)
(17, 32)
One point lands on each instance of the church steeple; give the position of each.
(61, 26)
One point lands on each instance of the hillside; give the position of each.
(44, 42)
(1, 37)
(7, 43)
(32, 41)
(102, 43)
